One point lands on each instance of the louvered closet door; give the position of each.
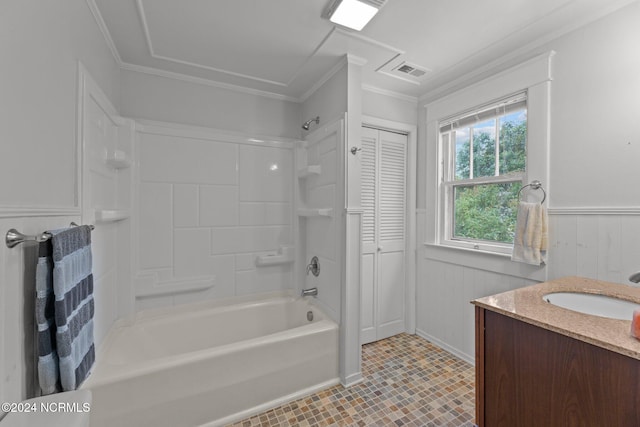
(383, 233)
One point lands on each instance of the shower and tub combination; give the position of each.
(220, 209)
(212, 363)
(205, 364)
(223, 358)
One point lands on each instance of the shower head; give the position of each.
(635, 277)
(306, 124)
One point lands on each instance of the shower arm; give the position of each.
(306, 124)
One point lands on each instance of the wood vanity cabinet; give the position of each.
(530, 376)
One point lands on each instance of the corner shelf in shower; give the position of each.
(118, 159)
(313, 212)
(309, 170)
(111, 215)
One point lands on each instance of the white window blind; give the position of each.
(480, 114)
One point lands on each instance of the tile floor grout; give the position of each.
(407, 382)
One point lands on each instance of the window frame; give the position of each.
(449, 182)
(533, 76)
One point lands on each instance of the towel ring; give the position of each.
(536, 185)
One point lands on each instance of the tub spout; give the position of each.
(311, 292)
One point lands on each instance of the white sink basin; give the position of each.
(596, 305)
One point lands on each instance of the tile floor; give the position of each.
(407, 382)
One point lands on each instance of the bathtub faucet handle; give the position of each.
(314, 266)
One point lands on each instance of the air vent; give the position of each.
(406, 71)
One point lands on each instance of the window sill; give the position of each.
(469, 250)
(484, 260)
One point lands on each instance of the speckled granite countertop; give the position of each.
(526, 304)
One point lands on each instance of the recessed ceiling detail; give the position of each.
(177, 53)
(298, 58)
(285, 47)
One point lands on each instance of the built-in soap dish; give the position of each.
(284, 255)
(309, 170)
(111, 215)
(117, 159)
(315, 212)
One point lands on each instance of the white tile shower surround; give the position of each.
(207, 208)
(322, 233)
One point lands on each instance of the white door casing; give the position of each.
(384, 204)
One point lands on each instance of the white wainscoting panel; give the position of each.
(595, 245)
(600, 246)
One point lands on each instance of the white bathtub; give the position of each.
(207, 365)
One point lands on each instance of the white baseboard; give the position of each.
(446, 347)
(352, 379)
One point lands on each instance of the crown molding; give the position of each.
(544, 58)
(351, 59)
(206, 82)
(102, 26)
(514, 56)
(356, 60)
(339, 66)
(390, 93)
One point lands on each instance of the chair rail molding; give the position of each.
(596, 210)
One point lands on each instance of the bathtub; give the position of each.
(211, 364)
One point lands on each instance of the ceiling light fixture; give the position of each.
(354, 14)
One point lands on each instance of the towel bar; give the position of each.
(14, 237)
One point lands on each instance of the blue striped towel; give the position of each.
(64, 309)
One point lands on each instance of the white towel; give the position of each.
(530, 240)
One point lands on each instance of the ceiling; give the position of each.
(285, 49)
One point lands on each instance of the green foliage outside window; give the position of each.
(488, 211)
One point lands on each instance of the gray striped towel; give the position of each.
(64, 309)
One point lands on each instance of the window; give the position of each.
(485, 164)
(496, 97)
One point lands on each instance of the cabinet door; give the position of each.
(383, 234)
(534, 377)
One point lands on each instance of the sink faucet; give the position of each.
(311, 292)
(635, 277)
